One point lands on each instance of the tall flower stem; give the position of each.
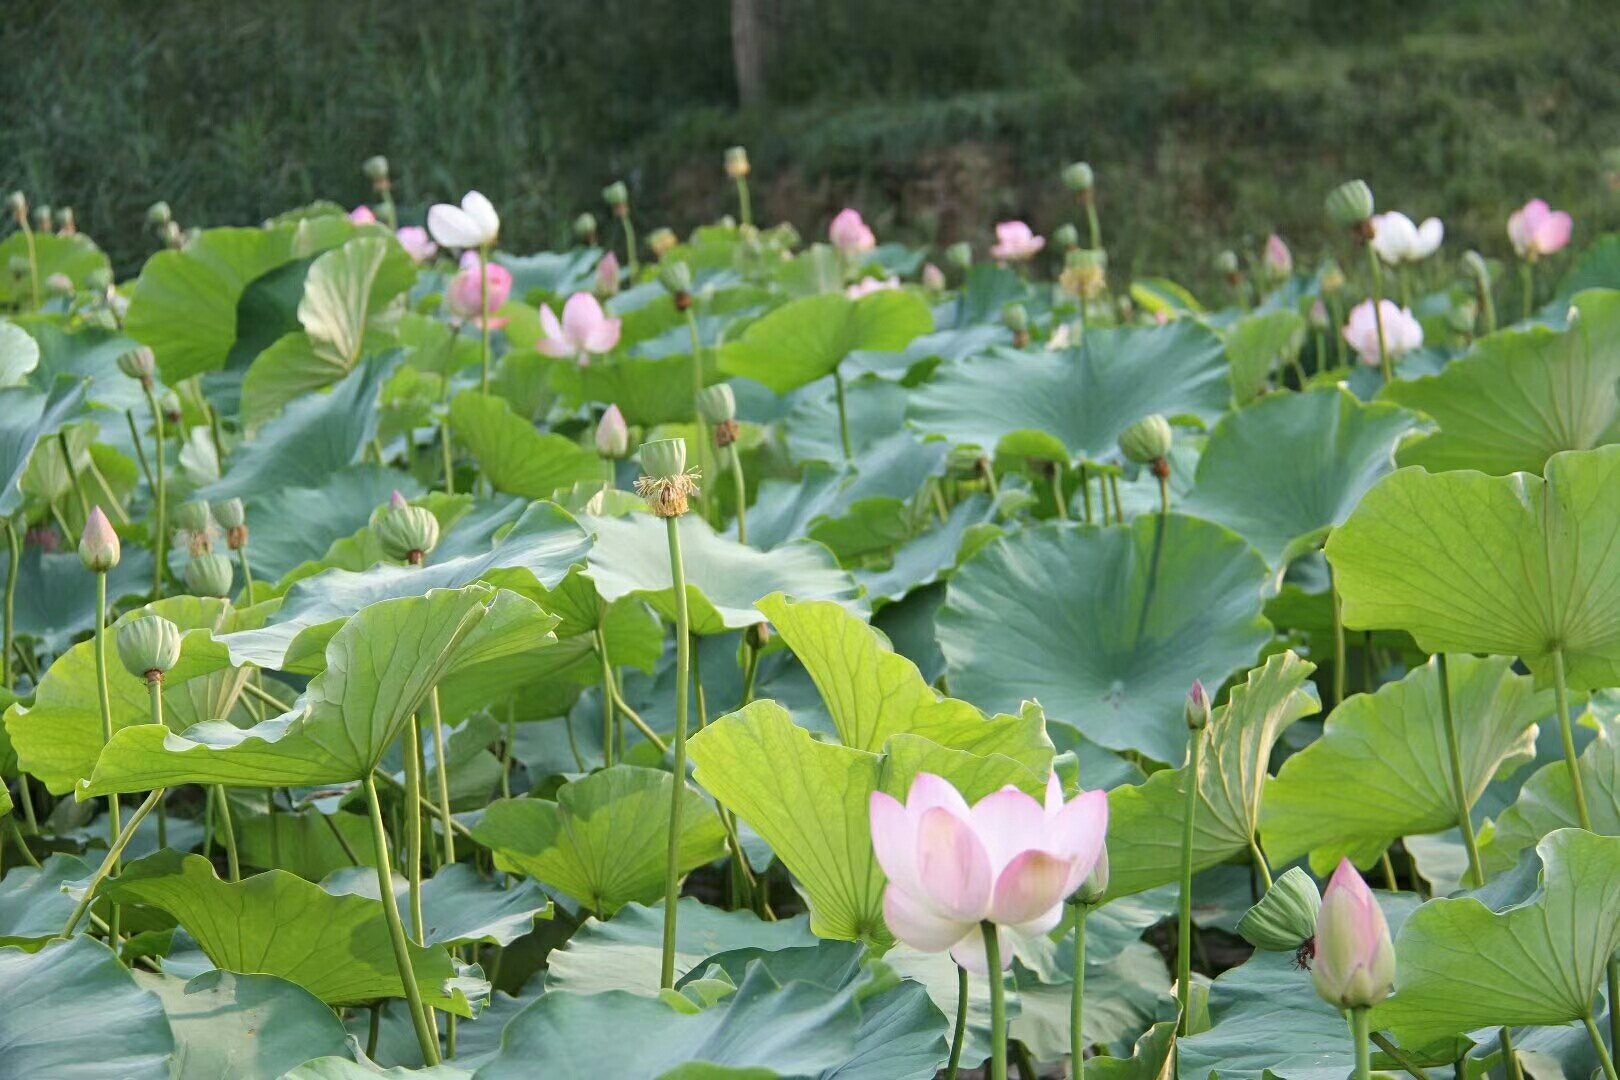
(1614, 1001)
(442, 768)
(843, 416)
(233, 861)
(998, 1002)
(745, 208)
(104, 699)
(483, 308)
(1092, 226)
(1527, 275)
(140, 451)
(1077, 998)
(630, 261)
(1510, 1059)
(425, 1037)
(13, 564)
(959, 1033)
(607, 688)
(33, 259)
(1465, 820)
(1378, 314)
(114, 853)
(740, 486)
(1057, 491)
(697, 376)
(1184, 942)
(1085, 491)
(160, 538)
(447, 453)
(247, 573)
(1566, 730)
(413, 825)
(1359, 1035)
(683, 679)
(1604, 1057)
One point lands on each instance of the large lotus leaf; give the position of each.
(1511, 565)
(625, 952)
(75, 255)
(1145, 820)
(243, 1027)
(90, 352)
(515, 457)
(1538, 961)
(56, 600)
(72, 1012)
(1075, 403)
(1258, 345)
(1268, 1021)
(1382, 770)
(1283, 471)
(19, 355)
(925, 559)
(875, 409)
(604, 841)
(379, 669)
(276, 923)
(724, 579)
(805, 340)
(538, 552)
(873, 693)
(296, 525)
(459, 907)
(1077, 619)
(1522, 395)
(1546, 803)
(34, 905)
(302, 842)
(27, 416)
(1123, 993)
(343, 1068)
(59, 736)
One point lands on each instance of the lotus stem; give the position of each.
(750, 672)
(998, 1002)
(843, 416)
(1092, 227)
(73, 475)
(1389, 872)
(1378, 314)
(1260, 863)
(425, 1036)
(740, 486)
(506, 751)
(630, 261)
(447, 453)
(13, 564)
(483, 309)
(33, 259)
(104, 699)
(1057, 491)
(1566, 731)
(607, 688)
(1358, 1034)
(1604, 1057)
(640, 725)
(160, 539)
(114, 853)
(1077, 998)
(1400, 1057)
(683, 679)
(1510, 1058)
(1614, 997)
(1527, 275)
(443, 770)
(1340, 651)
(959, 1033)
(1119, 508)
(1195, 763)
(232, 860)
(413, 825)
(140, 451)
(1465, 820)
(745, 209)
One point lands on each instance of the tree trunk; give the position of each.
(748, 45)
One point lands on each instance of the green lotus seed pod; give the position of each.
(193, 516)
(229, 513)
(1350, 204)
(409, 533)
(376, 168)
(65, 222)
(210, 575)
(1066, 236)
(960, 255)
(1015, 317)
(585, 226)
(149, 647)
(676, 277)
(17, 204)
(1078, 177)
(1147, 440)
(737, 162)
(138, 363)
(170, 405)
(717, 404)
(1285, 918)
(158, 213)
(616, 194)
(1227, 263)
(661, 241)
(1095, 887)
(664, 459)
(42, 218)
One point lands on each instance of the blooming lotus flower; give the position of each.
(472, 224)
(849, 234)
(465, 294)
(869, 285)
(607, 275)
(1537, 229)
(417, 244)
(1015, 242)
(584, 329)
(1398, 241)
(1008, 860)
(612, 434)
(1402, 332)
(1354, 965)
(1277, 260)
(362, 215)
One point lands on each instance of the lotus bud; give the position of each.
(617, 196)
(170, 407)
(585, 228)
(149, 647)
(17, 207)
(1197, 707)
(376, 169)
(99, 549)
(1463, 315)
(1078, 177)
(158, 214)
(1354, 957)
(960, 255)
(758, 636)
(1317, 314)
(1095, 887)
(1066, 237)
(676, 277)
(666, 485)
(42, 218)
(607, 275)
(933, 278)
(737, 162)
(1226, 264)
(1278, 260)
(1146, 441)
(612, 434)
(409, 533)
(1350, 205)
(209, 575)
(65, 225)
(718, 405)
(139, 363)
(396, 501)
(100, 279)
(661, 242)
(1285, 918)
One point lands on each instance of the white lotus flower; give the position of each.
(1398, 241)
(471, 225)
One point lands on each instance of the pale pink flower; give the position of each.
(1402, 332)
(1009, 860)
(1536, 230)
(1397, 240)
(869, 285)
(1016, 242)
(99, 548)
(1354, 965)
(465, 294)
(607, 275)
(933, 278)
(362, 215)
(849, 234)
(612, 434)
(584, 329)
(1278, 260)
(417, 243)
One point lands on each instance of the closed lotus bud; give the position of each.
(65, 223)
(1354, 964)
(661, 242)
(607, 275)
(933, 278)
(1197, 711)
(396, 501)
(1095, 887)
(59, 284)
(376, 168)
(612, 434)
(1226, 263)
(1147, 440)
(149, 647)
(1318, 316)
(617, 196)
(585, 228)
(1285, 918)
(737, 162)
(158, 213)
(718, 403)
(1278, 260)
(1066, 237)
(138, 363)
(209, 575)
(1350, 204)
(1078, 177)
(676, 277)
(758, 636)
(960, 255)
(99, 549)
(667, 485)
(409, 533)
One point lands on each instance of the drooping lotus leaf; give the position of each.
(724, 579)
(27, 416)
(1146, 820)
(243, 1027)
(1510, 565)
(1522, 395)
(379, 669)
(1381, 769)
(1538, 961)
(1076, 618)
(34, 905)
(1283, 471)
(276, 923)
(1075, 403)
(805, 340)
(1546, 803)
(459, 907)
(516, 458)
(73, 1012)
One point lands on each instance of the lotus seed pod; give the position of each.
(158, 213)
(1350, 204)
(676, 277)
(1285, 918)
(59, 284)
(661, 242)
(717, 404)
(209, 575)
(960, 255)
(99, 549)
(193, 516)
(667, 485)
(616, 195)
(1078, 177)
(17, 205)
(585, 227)
(1227, 263)
(1095, 887)
(409, 533)
(42, 218)
(664, 459)
(229, 513)
(138, 363)
(149, 647)
(65, 222)
(737, 162)
(170, 407)
(1197, 707)
(376, 168)
(1147, 440)
(1066, 236)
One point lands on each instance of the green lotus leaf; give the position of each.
(1123, 993)
(276, 923)
(1075, 618)
(1268, 1021)
(925, 559)
(34, 904)
(243, 1027)
(55, 599)
(295, 526)
(515, 457)
(26, 417)
(90, 352)
(1546, 802)
(1510, 565)
(301, 843)
(19, 355)
(806, 339)
(1381, 769)
(875, 408)
(1258, 345)
(459, 907)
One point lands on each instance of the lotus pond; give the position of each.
(737, 656)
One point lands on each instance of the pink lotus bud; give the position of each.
(1016, 242)
(607, 276)
(869, 285)
(465, 297)
(583, 330)
(1197, 710)
(849, 234)
(417, 244)
(1402, 332)
(396, 501)
(1354, 965)
(1278, 261)
(612, 434)
(1009, 860)
(362, 215)
(933, 278)
(1538, 230)
(99, 549)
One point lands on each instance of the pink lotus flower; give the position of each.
(607, 276)
(465, 294)
(612, 434)
(362, 215)
(584, 329)
(1402, 332)
(1008, 861)
(417, 243)
(1537, 229)
(1354, 965)
(1278, 260)
(1016, 242)
(869, 285)
(472, 224)
(849, 234)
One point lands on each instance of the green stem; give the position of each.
(843, 416)
(33, 262)
(275, 833)
(140, 451)
(506, 750)
(1378, 314)
(114, 812)
(607, 689)
(1195, 764)
(959, 1033)
(413, 825)
(1164, 495)
(1399, 1056)
(73, 475)
(745, 209)
(160, 539)
(1566, 730)
(483, 308)
(1085, 489)
(750, 673)
(1404, 283)
(1527, 274)
(213, 432)
(343, 841)
(120, 842)
(396, 929)
(232, 861)
(1260, 863)
(1077, 998)
(630, 260)
(741, 488)
(1465, 820)
(1057, 491)
(13, 562)
(640, 725)
(1119, 508)
(1596, 1036)
(1358, 1035)
(447, 453)
(998, 1002)
(1614, 1000)
(443, 770)
(390, 212)
(683, 678)
(1091, 220)
(1510, 1058)
(1389, 872)
(247, 573)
